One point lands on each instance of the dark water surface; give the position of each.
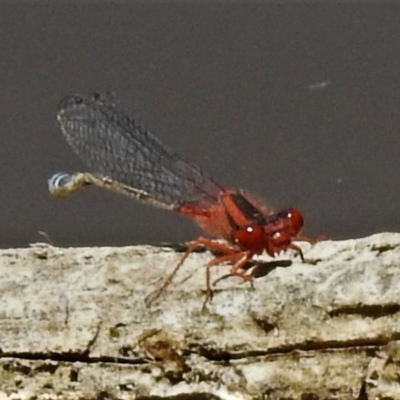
(298, 104)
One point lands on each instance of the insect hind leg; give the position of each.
(200, 242)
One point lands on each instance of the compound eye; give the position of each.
(249, 237)
(296, 220)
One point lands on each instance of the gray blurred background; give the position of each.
(298, 104)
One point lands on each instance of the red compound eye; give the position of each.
(296, 220)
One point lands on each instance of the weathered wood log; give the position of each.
(74, 324)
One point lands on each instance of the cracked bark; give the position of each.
(74, 324)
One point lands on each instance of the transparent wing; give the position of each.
(115, 146)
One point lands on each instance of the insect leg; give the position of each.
(240, 264)
(320, 238)
(298, 250)
(237, 257)
(207, 243)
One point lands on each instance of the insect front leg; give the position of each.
(298, 250)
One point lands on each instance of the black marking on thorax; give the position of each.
(251, 213)
(274, 219)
